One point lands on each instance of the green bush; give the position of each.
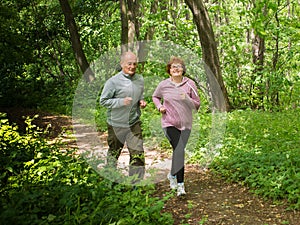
(15, 149)
(49, 184)
(261, 150)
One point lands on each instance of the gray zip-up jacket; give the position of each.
(112, 97)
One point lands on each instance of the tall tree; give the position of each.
(134, 25)
(258, 53)
(130, 13)
(209, 49)
(129, 10)
(150, 32)
(75, 41)
(124, 25)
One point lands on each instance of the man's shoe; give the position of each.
(173, 181)
(180, 189)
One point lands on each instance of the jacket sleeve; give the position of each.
(107, 98)
(156, 97)
(143, 88)
(194, 94)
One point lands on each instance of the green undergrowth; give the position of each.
(261, 150)
(50, 184)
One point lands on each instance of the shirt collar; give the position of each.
(126, 75)
(178, 84)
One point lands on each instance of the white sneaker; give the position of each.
(180, 189)
(173, 181)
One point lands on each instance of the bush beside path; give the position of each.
(209, 200)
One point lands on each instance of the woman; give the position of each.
(175, 98)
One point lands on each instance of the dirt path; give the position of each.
(210, 199)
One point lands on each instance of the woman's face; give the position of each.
(176, 69)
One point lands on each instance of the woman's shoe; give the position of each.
(173, 181)
(180, 189)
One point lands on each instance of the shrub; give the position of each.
(51, 184)
(261, 150)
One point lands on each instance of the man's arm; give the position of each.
(107, 98)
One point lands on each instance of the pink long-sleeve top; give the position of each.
(179, 100)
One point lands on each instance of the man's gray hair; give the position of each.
(125, 54)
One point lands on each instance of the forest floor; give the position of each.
(210, 199)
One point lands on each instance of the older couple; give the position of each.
(175, 98)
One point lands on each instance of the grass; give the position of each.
(42, 185)
(261, 150)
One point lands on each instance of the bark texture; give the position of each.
(209, 53)
(75, 41)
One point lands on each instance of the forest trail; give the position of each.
(210, 199)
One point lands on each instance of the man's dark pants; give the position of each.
(117, 136)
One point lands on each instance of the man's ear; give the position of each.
(118, 67)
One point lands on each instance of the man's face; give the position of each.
(129, 64)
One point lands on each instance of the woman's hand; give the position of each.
(143, 104)
(162, 110)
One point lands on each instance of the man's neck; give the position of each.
(127, 75)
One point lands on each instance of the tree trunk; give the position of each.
(275, 95)
(143, 51)
(258, 45)
(133, 14)
(210, 53)
(75, 41)
(130, 12)
(124, 25)
(133, 23)
(258, 53)
(150, 32)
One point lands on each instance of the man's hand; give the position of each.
(143, 104)
(127, 100)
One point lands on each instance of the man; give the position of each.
(122, 95)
